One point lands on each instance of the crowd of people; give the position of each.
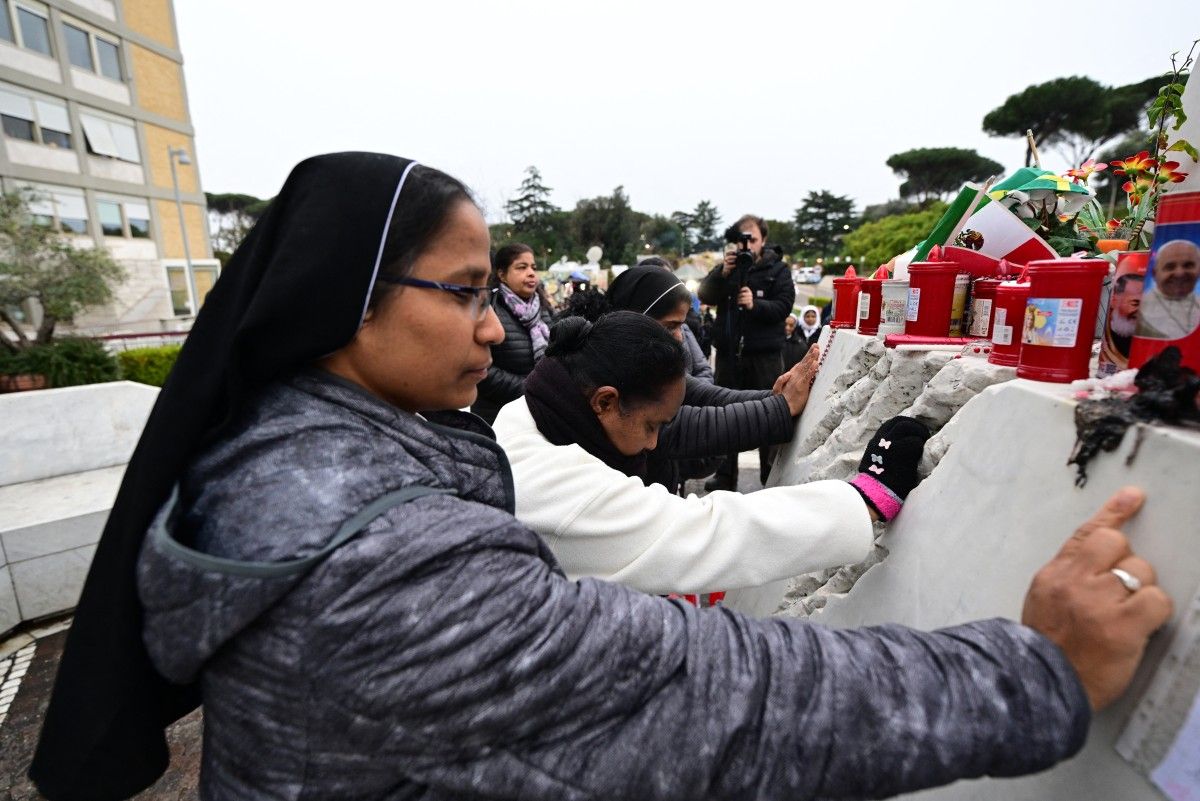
(374, 594)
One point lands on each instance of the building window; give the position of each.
(35, 30)
(111, 223)
(110, 138)
(124, 217)
(34, 119)
(25, 26)
(6, 26)
(181, 290)
(108, 55)
(79, 47)
(91, 51)
(59, 207)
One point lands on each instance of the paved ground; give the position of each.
(28, 662)
(19, 728)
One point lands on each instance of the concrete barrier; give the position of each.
(62, 455)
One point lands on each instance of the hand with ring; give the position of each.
(1098, 601)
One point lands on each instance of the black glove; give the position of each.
(888, 470)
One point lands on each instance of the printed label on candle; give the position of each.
(981, 313)
(864, 305)
(914, 301)
(893, 311)
(1001, 333)
(1052, 322)
(958, 308)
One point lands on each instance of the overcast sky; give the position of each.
(749, 106)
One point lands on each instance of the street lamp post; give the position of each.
(181, 155)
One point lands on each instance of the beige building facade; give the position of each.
(95, 115)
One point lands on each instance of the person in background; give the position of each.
(525, 313)
(752, 303)
(793, 346)
(803, 331)
(714, 420)
(306, 544)
(697, 362)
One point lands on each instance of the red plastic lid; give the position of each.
(850, 272)
(882, 273)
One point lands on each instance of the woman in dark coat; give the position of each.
(524, 311)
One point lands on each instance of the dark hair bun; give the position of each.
(568, 335)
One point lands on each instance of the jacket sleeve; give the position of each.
(481, 672)
(714, 288)
(700, 368)
(736, 427)
(777, 305)
(701, 393)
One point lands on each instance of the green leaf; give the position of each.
(1184, 146)
(1177, 88)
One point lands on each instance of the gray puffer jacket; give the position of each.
(433, 649)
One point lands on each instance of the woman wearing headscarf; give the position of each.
(524, 311)
(697, 362)
(714, 420)
(801, 333)
(333, 569)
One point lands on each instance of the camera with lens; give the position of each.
(744, 259)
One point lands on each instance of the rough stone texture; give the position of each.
(875, 384)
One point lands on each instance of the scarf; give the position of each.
(808, 329)
(529, 314)
(563, 417)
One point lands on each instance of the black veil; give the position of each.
(295, 290)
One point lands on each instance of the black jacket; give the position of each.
(715, 421)
(795, 346)
(759, 329)
(512, 360)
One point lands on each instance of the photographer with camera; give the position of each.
(753, 292)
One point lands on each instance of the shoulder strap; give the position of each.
(290, 567)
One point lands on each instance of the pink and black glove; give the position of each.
(888, 470)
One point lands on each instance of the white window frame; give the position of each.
(189, 275)
(123, 203)
(93, 34)
(36, 115)
(98, 135)
(50, 199)
(14, 22)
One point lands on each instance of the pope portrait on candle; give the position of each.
(1170, 308)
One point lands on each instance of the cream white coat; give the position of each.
(600, 522)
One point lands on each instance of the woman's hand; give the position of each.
(1099, 622)
(795, 384)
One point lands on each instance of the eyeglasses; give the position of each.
(477, 298)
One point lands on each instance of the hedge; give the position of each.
(148, 365)
(66, 362)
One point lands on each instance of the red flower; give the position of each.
(1167, 174)
(1135, 164)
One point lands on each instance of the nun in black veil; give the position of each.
(306, 546)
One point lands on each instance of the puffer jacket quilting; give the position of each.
(441, 654)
